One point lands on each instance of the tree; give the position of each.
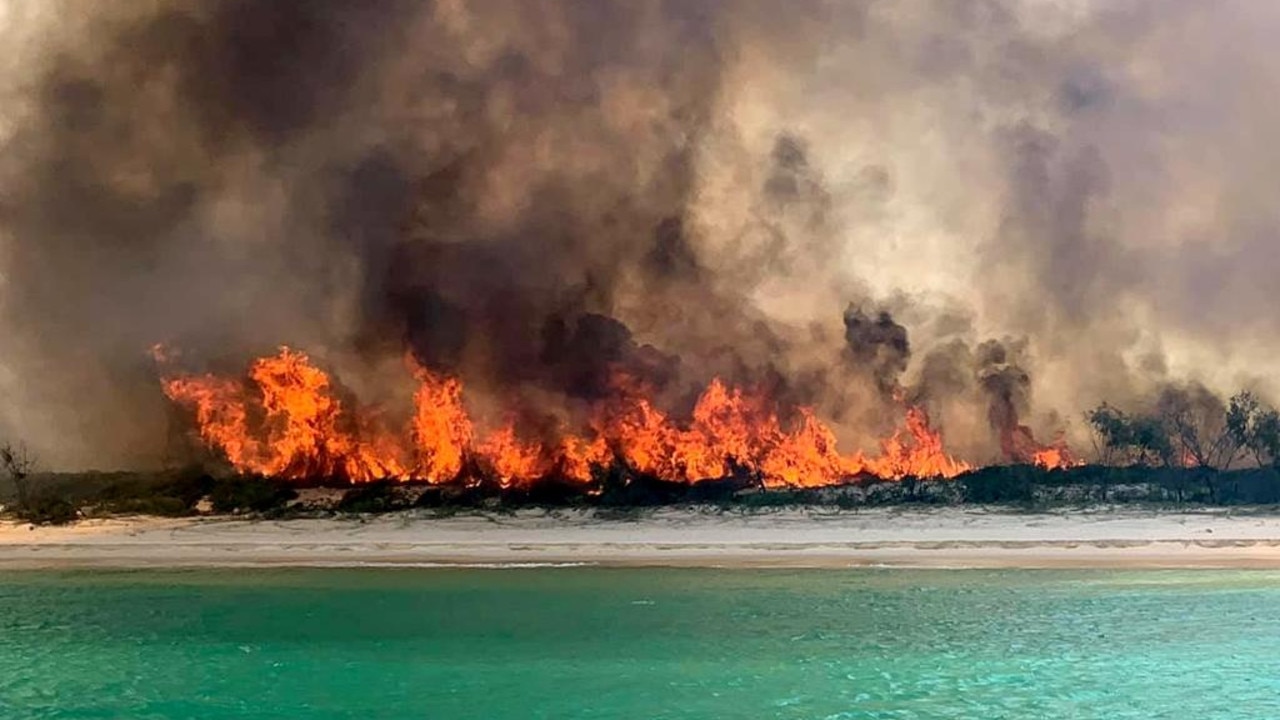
(1130, 439)
(1110, 432)
(18, 463)
(1199, 426)
(1265, 439)
(1255, 427)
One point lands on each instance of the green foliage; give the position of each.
(46, 509)
(1125, 439)
(1014, 484)
(621, 486)
(1259, 486)
(846, 501)
(775, 498)
(241, 494)
(1255, 427)
(159, 505)
(168, 495)
(550, 492)
(374, 497)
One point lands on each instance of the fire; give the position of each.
(286, 419)
(300, 430)
(1055, 456)
(221, 415)
(511, 460)
(441, 431)
(576, 456)
(1020, 445)
(921, 457)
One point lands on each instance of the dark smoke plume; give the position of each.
(1008, 389)
(876, 345)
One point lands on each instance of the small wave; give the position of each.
(467, 565)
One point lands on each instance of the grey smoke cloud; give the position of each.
(692, 188)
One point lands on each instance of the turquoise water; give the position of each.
(639, 643)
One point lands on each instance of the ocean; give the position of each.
(586, 642)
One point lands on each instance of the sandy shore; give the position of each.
(952, 537)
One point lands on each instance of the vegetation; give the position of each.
(250, 495)
(1191, 428)
(61, 498)
(1255, 427)
(168, 495)
(1179, 450)
(17, 463)
(375, 497)
(51, 498)
(44, 508)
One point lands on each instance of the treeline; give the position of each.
(63, 498)
(1188, 427)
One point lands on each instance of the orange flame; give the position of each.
(576, 456)
(220, 416)
(303, 430)
(287, 421)
(1054, 457)
(512, 461)
(1020, 445)
(441, 429)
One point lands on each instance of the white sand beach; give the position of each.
(796, 537)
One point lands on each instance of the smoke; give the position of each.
(1008, 390)
(879, 346)
(541, 196)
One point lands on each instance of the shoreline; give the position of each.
(952, 537)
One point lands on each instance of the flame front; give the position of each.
(301, 429)
(285, 420)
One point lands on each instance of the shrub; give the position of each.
(187, 487)
(241, 494)
(375, 497)
(723, 490)
(161, 505)
(170, 495)
(47, 510)
(620, 486)
(550, 492)
(432, 496)
(1011, 484)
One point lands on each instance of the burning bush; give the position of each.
(285, 420)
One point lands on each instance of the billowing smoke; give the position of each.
(542, 196)
(879, 346)
(1008, 390)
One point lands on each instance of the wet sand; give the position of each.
(798, 537)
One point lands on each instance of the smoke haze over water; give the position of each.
(1003, 207)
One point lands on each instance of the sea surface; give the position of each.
(581, 642)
